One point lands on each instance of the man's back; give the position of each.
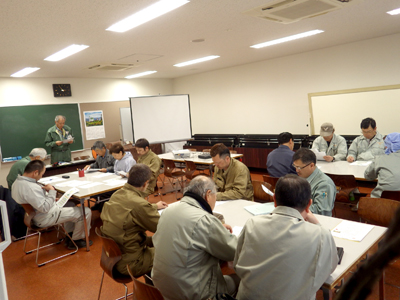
(17, 169)
(189, 243)
(279, 162)
(280, 257)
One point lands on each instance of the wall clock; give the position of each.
(62, 90)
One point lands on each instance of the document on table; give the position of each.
(73, 183)
(363, 163)
(86, 186)
(319, 155)
(260, 209)
(64, 199)
(160, 211)
(116, 182)
(52, 179)
(217, 203)
(351, 230)
(103, 175)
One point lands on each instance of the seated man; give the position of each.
(19, 167)
(26, 190)
(323, 190)
(104, 160)
(150, 159)
(333, 145)
(366, 146)
(386, 167)
(231, 176)
(189, 243)
(279, 161)
(123, 161)
(286, 254)
(126, 218)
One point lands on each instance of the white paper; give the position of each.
(103, 175)
(267, 190)
(86, 186)
(64, 199)
(351, 230)
(73, 183)
(52, 179)
(218, 203)
(361, 163)
(67, 140)
(260, 209)
(319, 155)
(116, 182)
(122, 173)
(160, 211)
(90, 170)
(236, 230)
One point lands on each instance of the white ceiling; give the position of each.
(31, 30)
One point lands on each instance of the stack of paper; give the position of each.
(352, 230)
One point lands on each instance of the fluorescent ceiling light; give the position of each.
(66, 52)
(149, 13)
(195, 61)
(140, 74)
(394, 12)
(24, 72)
(287, 39)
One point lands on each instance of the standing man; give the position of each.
(323, 190)
(150, 159)
(189, 243)
(104, 160)
(286, 254)
(126, 218)
(368, 145)
(386, 167)
(26, 190)
(58, 138)
(279, 161)
(231, 176)
(333, 145)
(19, 167)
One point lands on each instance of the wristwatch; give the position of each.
(333, 158)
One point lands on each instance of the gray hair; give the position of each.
(200, 185)
(58, 117)
(98, 145)
(38, 152)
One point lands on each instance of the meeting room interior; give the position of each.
(251, 70)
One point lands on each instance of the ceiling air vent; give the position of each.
(112, 67)
(289, 11)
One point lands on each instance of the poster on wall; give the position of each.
(94, 125)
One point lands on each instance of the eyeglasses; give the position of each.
(300, 168)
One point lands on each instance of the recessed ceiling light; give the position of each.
(195, 61)
(140, 74)
(66, 52)
(287, 39)
(149, 13)
(24, 72)
(394, 12)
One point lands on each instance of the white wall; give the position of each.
(271, 96)
(31, 91)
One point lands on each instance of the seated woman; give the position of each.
(123, 161)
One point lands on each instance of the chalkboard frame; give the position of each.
(23, 128)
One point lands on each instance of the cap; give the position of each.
(326, 129)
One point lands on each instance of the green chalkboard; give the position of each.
(23, 128)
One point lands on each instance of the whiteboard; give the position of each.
(161, 119)
(346, 109)
(126, 124)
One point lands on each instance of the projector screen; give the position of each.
(161, 119)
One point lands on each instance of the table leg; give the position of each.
(85, 223)
(382, 286)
